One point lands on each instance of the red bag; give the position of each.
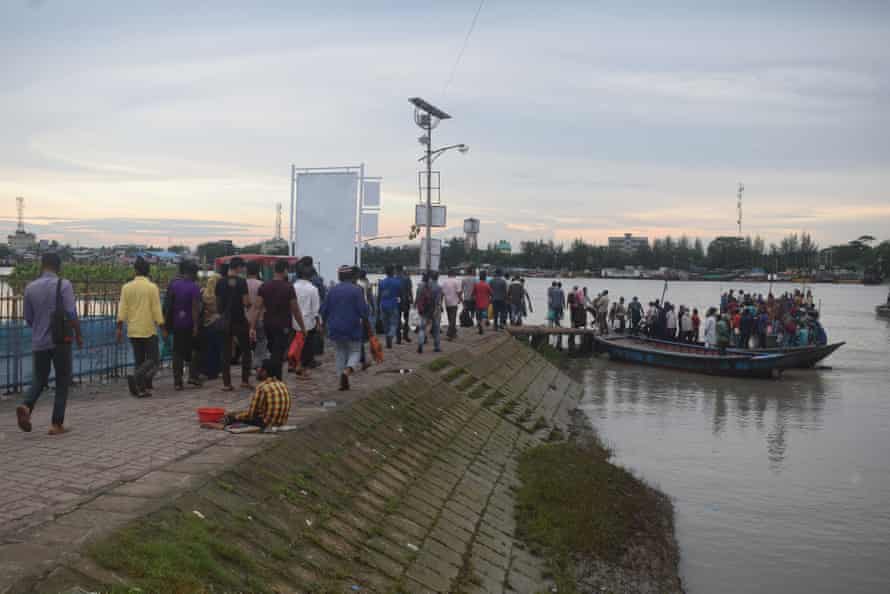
(376, 349)
(296, 349)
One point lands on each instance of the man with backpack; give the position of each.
(429, 308)
(51, 313)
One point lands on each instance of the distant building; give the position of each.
(274, 246)
(21, 241)
(471, 229)
(503, 247)
(629, 243)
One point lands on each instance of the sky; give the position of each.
(177, 122)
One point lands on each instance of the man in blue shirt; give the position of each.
(50, 340)
(345, 312)
(390, 291)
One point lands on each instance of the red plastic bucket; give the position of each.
(210, 414)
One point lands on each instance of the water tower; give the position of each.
(471, 230)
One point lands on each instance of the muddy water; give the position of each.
(779, 486)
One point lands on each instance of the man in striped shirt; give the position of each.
(270, 403)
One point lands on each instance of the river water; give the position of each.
(778, 485)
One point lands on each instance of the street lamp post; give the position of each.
(427, 117)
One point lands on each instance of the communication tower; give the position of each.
(471, 229)
(741, 189)
(20, 208)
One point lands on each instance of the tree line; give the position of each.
(793, 252)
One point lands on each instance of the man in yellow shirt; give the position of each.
(140, 309)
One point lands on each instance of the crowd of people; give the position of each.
(238, 317)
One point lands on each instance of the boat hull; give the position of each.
(804, 357)
(690, 357)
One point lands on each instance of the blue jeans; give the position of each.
(59, 358)
(348, 354)
(435, 326)
(500, 313)
(391, 319)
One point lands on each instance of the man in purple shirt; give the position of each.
(182, 312)
(50, 349)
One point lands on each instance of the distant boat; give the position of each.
(688, 357)
(883, 311)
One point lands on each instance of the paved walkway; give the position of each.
(116, 441)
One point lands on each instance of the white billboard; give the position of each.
(370, 224)
(324, 225)
(371, 194)
(439, 218)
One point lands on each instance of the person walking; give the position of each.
(51, 313)
(482, 299)
(406, 300)
(451, 297)
(211, 337)
(499, 299)
(140, 310)
(635, 311)
(670, 322)
(258, 343)
(603, 312)
(621, 314)
(310, 303)
(182, 317)
(345, 312)
(467, 284)
(429, 309)
(232, 298)
(711, 328)
(389, 293)
(276, 305)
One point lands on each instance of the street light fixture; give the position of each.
(427, 117)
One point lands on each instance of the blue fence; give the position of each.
(100, 358)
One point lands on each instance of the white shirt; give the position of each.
(670, 319)
(686, 323)
(711, 331)
(307, 297)
(451, 291)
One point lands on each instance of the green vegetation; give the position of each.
(466, 383)
(479, 391)
(553, 354)
(540, 423)
(453, 374)
(492, 399)
(83, 275)
(574, 505)
(439, 364)
(171, 554)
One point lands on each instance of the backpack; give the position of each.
(425, 301)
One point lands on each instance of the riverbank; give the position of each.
(425, 484)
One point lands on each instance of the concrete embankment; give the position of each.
(412, 489)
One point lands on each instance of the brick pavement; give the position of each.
(119, 444)
(408, 491)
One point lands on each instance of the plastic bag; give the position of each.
(376, 349)
(295, 351)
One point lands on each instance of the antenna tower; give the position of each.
(741, 190)
(20, 207)
(278, 221)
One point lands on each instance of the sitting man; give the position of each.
(269, 405)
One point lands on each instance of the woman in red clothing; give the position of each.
(482, 295)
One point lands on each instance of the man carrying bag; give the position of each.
(51, 313)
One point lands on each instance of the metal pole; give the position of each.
(291, 244)
(361, 199)
(429, 193)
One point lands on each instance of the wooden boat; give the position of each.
(883, 311)
(690, 357)
(797, 357)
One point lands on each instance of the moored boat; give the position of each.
(689, 357)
